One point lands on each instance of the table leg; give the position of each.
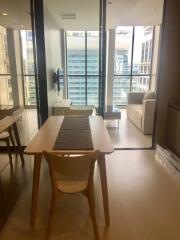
(35, 187)
(103, 175)
(18, 142)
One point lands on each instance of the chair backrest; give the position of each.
(71, 166)
(77, 112)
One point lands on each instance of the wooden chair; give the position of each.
(5, 137)
(79, 171)
(78, 112)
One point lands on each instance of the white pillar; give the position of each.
(110, 66)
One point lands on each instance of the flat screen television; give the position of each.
(58, 78)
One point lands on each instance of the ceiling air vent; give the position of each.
(68, 16)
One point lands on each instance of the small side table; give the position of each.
(59, 108)
(112, 113)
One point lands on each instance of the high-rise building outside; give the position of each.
(122, 65)
(132, 61)
(5, 77)
(146, 56)
(28, 67)
(83, 67)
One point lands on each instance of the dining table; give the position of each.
(45, 139)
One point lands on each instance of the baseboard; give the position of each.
(168, 159)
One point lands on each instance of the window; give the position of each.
(83, 67)
(28, 67)
(123, 50)
(5, 76)
(133, 53)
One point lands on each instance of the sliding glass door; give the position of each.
(72, 46)
(85, 61)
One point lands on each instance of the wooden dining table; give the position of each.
(45, 139)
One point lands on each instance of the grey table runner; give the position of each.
(74, 134)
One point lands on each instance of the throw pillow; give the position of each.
(149, 95)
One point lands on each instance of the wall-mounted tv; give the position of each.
(58, 78)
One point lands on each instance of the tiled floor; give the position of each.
(127, 135)
(12, 182)
(143, 197)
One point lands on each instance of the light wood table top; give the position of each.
(46, 136)
(7, 122)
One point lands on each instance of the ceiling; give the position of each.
(134, 12)
(119, 13)
(18, 14)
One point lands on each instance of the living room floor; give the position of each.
(127, 135)
(143, 197)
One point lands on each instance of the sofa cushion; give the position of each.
(134, 114)
(149, 95)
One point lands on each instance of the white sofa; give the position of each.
(140, 110)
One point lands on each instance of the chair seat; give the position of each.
(71, 186)
(4, 135)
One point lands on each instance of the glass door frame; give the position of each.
(102, 56)
(37, 17)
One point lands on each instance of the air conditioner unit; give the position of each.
(68, 16)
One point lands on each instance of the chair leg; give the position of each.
(91, 202)
(9, 151)
(52, 208)
(11, 137)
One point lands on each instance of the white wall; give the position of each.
(155, 58)
(53, 56)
